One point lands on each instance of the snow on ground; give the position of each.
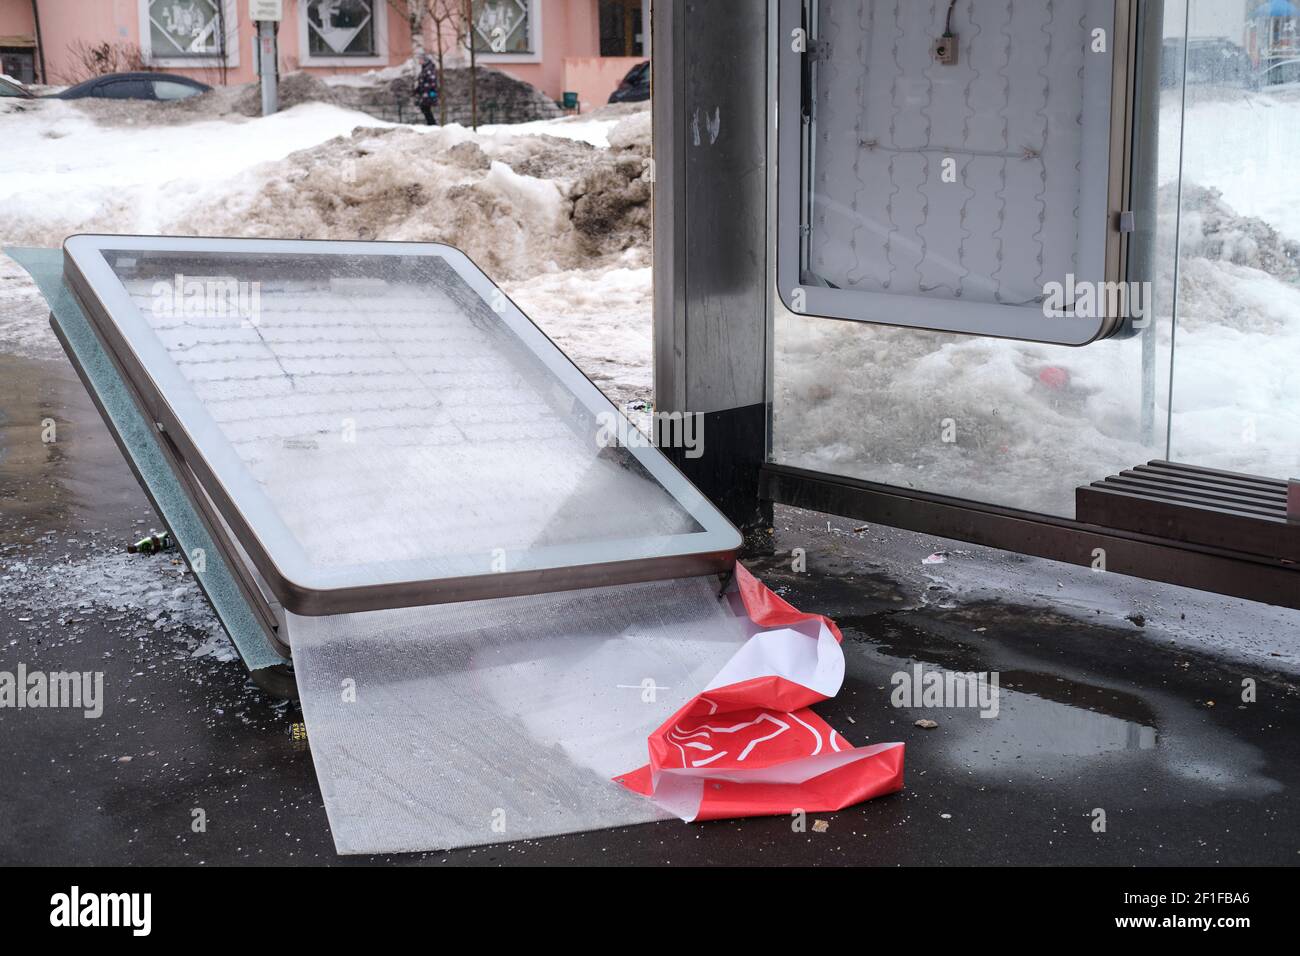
(594, 129)
(599, 318)
(1243, 143)
(62, 172)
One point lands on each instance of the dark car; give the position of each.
(136, 86)
(1212, 60)
(11, 87)
(635, 87)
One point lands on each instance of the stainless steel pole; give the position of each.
(266, 58)
(1145, 199)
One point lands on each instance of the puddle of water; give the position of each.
(65, 477)
(1029, 726)
(1040, 716)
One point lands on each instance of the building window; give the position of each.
(343, 32)
(505, 27)
(19, 62)
(181, 29)
(342, 28)
(620, 28)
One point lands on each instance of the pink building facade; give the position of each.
(559, 46)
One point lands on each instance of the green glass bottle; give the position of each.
(151, 545)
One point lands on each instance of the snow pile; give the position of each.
(519, 205)
(1019, 431)
(600, 317)
(388, 95)
(1211, 229)
(294, 89)
(550, 209)
(64, 171)
(91, 165)
(620, 125)
(1236, 389)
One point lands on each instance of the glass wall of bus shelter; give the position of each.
(1213, 379)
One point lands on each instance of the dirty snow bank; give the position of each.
(61, 172)
(519, 205)
(533, 203)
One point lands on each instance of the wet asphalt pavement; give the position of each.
(1097, 711)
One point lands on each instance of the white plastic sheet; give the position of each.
(474, 723)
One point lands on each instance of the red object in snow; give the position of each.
(1054, 377)
(749, 745)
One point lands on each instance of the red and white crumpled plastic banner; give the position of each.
(749, 745)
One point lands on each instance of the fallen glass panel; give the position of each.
(500, 720)
(380, 426)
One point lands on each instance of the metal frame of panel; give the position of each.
(794, 121)
(277, 680)
(88, 274)
(1218, 570)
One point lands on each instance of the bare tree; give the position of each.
(473, 63)
(413, 11)
(443, 14)
(87, 60)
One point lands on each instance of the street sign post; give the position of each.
(266, 14)
(266, 10)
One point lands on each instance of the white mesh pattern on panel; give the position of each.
(488, 721)
(386, 421)
(1006, 118)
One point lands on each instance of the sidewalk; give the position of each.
(1095, 711)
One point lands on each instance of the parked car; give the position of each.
(136, 86)
(1218, 61)
(635, 87)
(1211, 60)
(11, 87)
(1280, 72)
